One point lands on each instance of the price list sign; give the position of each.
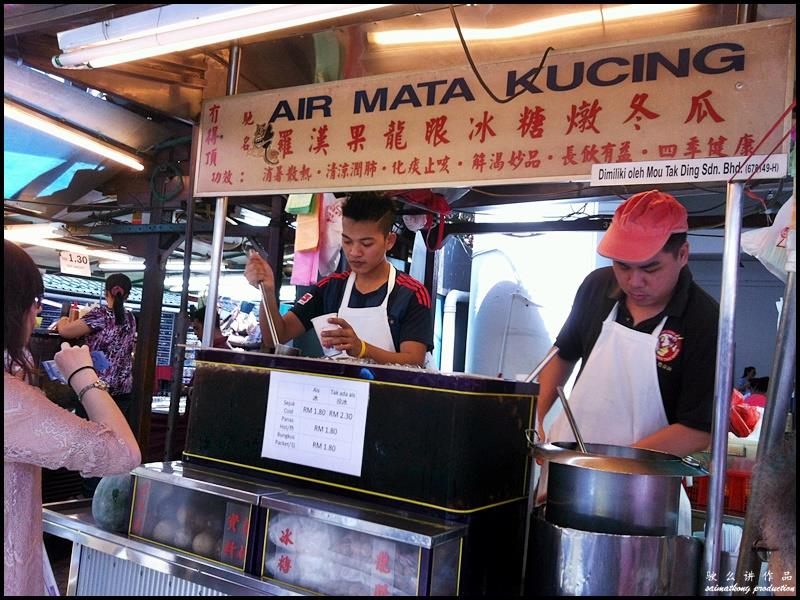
(316, 421)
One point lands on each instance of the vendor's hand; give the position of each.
(71, 358)
(344, 338)
(257, 270)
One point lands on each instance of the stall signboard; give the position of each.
(73, 263)
(700, 94)
(316, 421)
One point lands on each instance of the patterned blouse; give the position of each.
(116, 342)
(36, 434)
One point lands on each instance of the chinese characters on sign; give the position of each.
(316, 421)
(663, 99)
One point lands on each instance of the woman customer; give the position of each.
(38, 433)
(111, 330)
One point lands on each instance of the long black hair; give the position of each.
(22, 285)
(119, 286)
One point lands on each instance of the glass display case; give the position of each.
(197, 511)
(336, 546)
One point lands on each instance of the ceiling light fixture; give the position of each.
(68, 134)
(529, 28)
(177, 27)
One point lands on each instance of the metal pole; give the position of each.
(181, 324)
(220, 212)
(774, 425)
(723, 384)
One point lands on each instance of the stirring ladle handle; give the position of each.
(571, 419)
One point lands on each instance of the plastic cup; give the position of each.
(321, 324)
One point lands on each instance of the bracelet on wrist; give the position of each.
(78, 370)
(363, 352)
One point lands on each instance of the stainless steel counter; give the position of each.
(105, 563)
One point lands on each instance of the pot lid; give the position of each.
(620, 459)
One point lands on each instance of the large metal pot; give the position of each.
(614, 489)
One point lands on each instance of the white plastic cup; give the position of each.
(321, 324)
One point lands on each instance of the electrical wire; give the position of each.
(477, 73)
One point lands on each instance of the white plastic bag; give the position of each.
(769, 244)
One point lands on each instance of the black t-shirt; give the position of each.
(687, 348)
(408, 309)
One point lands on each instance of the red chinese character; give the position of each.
(583, 117)
(381, 589)
(745, 147)
(357, 138)
(435, 131)
(344, 170)
(229, 549)
(285, 142)
(321, 142)
(357, 169)
(590, 154)
(279, 173)
(211, 157)
(413, 167)
(382, 564)
(429, 170)
(216, 177)
(624, 152)
(639, 111)
(247, 118)
(233, 521)
(533, 162)
(569, 157)
(701, 108)
(213, 111)
(305, 173)
(608, 152)
(291, 173)
(330, 172)
(370, 168)
(267, 174)
(716, 146)
(394, 136)
(246, 143)
(692, 147)
(497, 163)
(444, 164)
(517, 156)
(240, 555)
(285, 564)
(667, 150)
(397, 168)
(482, 127)
(531, 122)
(212, 135)
(227, 177)
(479, 162)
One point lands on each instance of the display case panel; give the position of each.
(329, 545)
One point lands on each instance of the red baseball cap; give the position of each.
(642, 225)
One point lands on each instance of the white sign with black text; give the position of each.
(691, 170)
(75, 264)
(316, 421)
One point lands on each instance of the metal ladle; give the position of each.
(571, 419)
(278, 347)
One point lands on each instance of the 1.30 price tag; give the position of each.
(75, 264)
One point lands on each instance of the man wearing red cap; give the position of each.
(646, 335)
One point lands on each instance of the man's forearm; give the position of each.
(555, 374)
(676, 439)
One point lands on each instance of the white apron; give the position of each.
(617, 400)
(370, 324)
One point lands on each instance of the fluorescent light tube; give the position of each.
(72, 136)
(192, 31)
(529, 28)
